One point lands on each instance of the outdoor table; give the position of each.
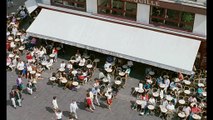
(10, 38)
(86, 56)
(20, 68)
(105, 80)
(74, 72)
(19, 33)
(187, 92)
(97, 60)
(72, 61)
(8, 33)
(64, 81)
(187, 82)
(13, 13)
(176, 80)
(200, 84)
(17, 56)
(139, 102)
(140, 90)
(162, 85)
(44, 63)
(109, 70)
(192, 104)
(181, 114)
(58, 48)
(204, 94)
(149, 81)
(117, 82)
(163, 109)
(75, 83)
(169, 97)
(81, 64)
(18, 18)
(30, 60)
(21, 48)
(17, 40)
(151, 107)
(8, 63)
(89, 66)
(34, 81)
(124, 66)
(32, 72)
(52, 78)
(11, 55)
(61, 69)
(196, 116)
(52, 55)
(13, 46)
(155, 94)
(181, 101)
(121, 73)
(151, 73)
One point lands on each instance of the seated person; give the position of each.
(107, 65)
(170, 107)
(199, 91)
(192, 99)
(49, 64)
(29, 87)
(63, 64)
(147, 86)
(69, 65)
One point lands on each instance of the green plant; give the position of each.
(187, 17)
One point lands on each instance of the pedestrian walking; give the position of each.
(73, 108)
(96, 91)
(19, 83)
(91, 95)
(89, 102)
(54, 103)
(12, 98)
(18, 97)
(109, 100)
(58, 114)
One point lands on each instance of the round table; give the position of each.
(187, 92)
(181, 101)
(52, 55)
(97, 60)
(162, 85)
(139, 102)
(86, 56)
(8, 33)
(196, 116)
(149, 81)
(21, 48)
(200, 84)
(176, 80)
(125, 66)
(187, 82)
(64, 81)
(74, 72)
(204, 94)
(13, 13)
(151, 73)
(20, 68)
(81, 64)
(105, 80)
(19, 33)
(192, 104)
(169, 98)
(61, 69)
(121, 73)
(89, 66)
(58, 48)
(109, 70)
(181, 114)
(11, 55)
(163, 109)
(155, 94)
(72, 61)
(17, 40)
(10, 38)
(52, 78)
(151, 107)
(32, 72)
(44, 63)
(75, 83)
(140, 90)
(117, 82)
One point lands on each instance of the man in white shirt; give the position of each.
(73, 108)
(54, 103)
(20, 64)
(170, 107)
(69, 65)
(58, 114)
(167, 83)
(187, 110)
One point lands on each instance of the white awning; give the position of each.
(31, 5)
(154, 48)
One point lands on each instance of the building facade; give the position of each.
(185, 17)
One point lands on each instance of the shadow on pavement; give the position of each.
(81, 105)
(9, 102)
(66, 113)
(49, 109)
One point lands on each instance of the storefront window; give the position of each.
(73, 4)
(172, 18)
(118, 8)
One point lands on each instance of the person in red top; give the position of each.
(180, 76)
(194, 110)
(89, 102)
(29, 56)
(8, 46)
(55, 51)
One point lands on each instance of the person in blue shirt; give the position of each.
(147, 87)
(199, 91)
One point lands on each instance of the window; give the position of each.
(118, 8)
(73, 4)
(172, 18)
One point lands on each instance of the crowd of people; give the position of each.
(163, 93)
